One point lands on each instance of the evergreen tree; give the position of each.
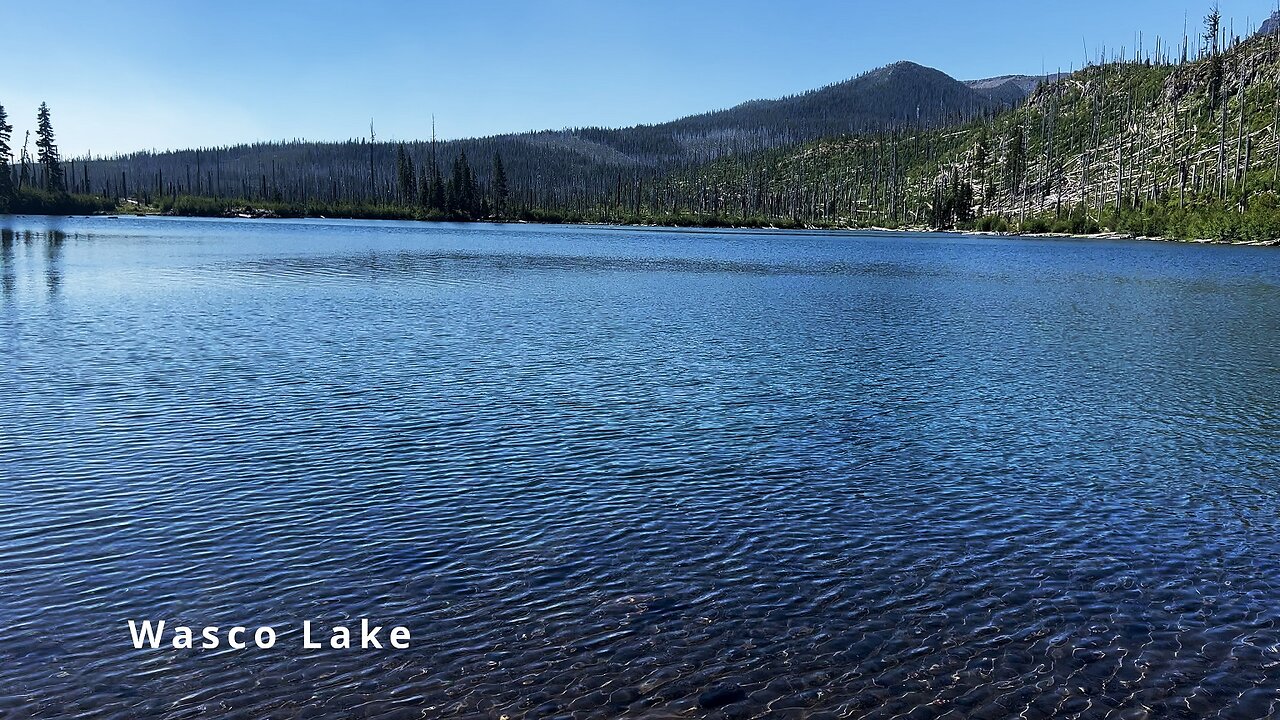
(6, 176)
(453, 193)
(439, 201)
(1213, 30)
(462, 187)
(405, 176)
(47, 151)
(470, 194)
(1213, 45)
(501, 190)
(424, 189)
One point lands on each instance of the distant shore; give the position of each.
(689, 222)
(232, 210)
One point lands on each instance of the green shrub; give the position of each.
(993, 223)
(29, 201)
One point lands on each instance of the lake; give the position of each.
(618, 472)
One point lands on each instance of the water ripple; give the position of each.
(602, 473)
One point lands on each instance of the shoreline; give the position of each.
(693, 224)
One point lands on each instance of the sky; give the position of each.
(132, 75)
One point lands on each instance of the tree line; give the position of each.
(568, 173)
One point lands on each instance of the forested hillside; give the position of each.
(1145, 146)
(547, 170)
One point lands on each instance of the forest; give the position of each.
(1177, 141)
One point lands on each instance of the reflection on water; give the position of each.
(609, 473)
(49, 240)
(8, 274)
(53, 241)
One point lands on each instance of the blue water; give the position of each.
(609, 473)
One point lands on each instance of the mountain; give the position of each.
(1006, 88)
(550, 165)
(1011, 89)
(903, 94)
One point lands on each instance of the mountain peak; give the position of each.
(903, 67)
(906, 64)
(1272, 25)
(1011, 89)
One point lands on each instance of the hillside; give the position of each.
(1143, 147)
(551, 167)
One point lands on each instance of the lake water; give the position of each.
(611, 473)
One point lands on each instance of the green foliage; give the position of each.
(1078, 222)
(1036, 226)
(47, 152)
(462, 197)
(993, 223)
(436, 201)
(1260, 223)
(33, 201)
(501, 187)
(406, 177)
(192, 206)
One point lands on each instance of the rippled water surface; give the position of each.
(611, 473)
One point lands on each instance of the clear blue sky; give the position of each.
(136, 74)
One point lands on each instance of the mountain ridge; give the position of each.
(1271, 25)
(900, 95)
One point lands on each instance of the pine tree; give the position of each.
(6, 176)
(462, 187)
(438, 202)
(406, 176)
(47, 152)
(424, 189)
(453, 193)
(1212, 41)
(500, 188)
